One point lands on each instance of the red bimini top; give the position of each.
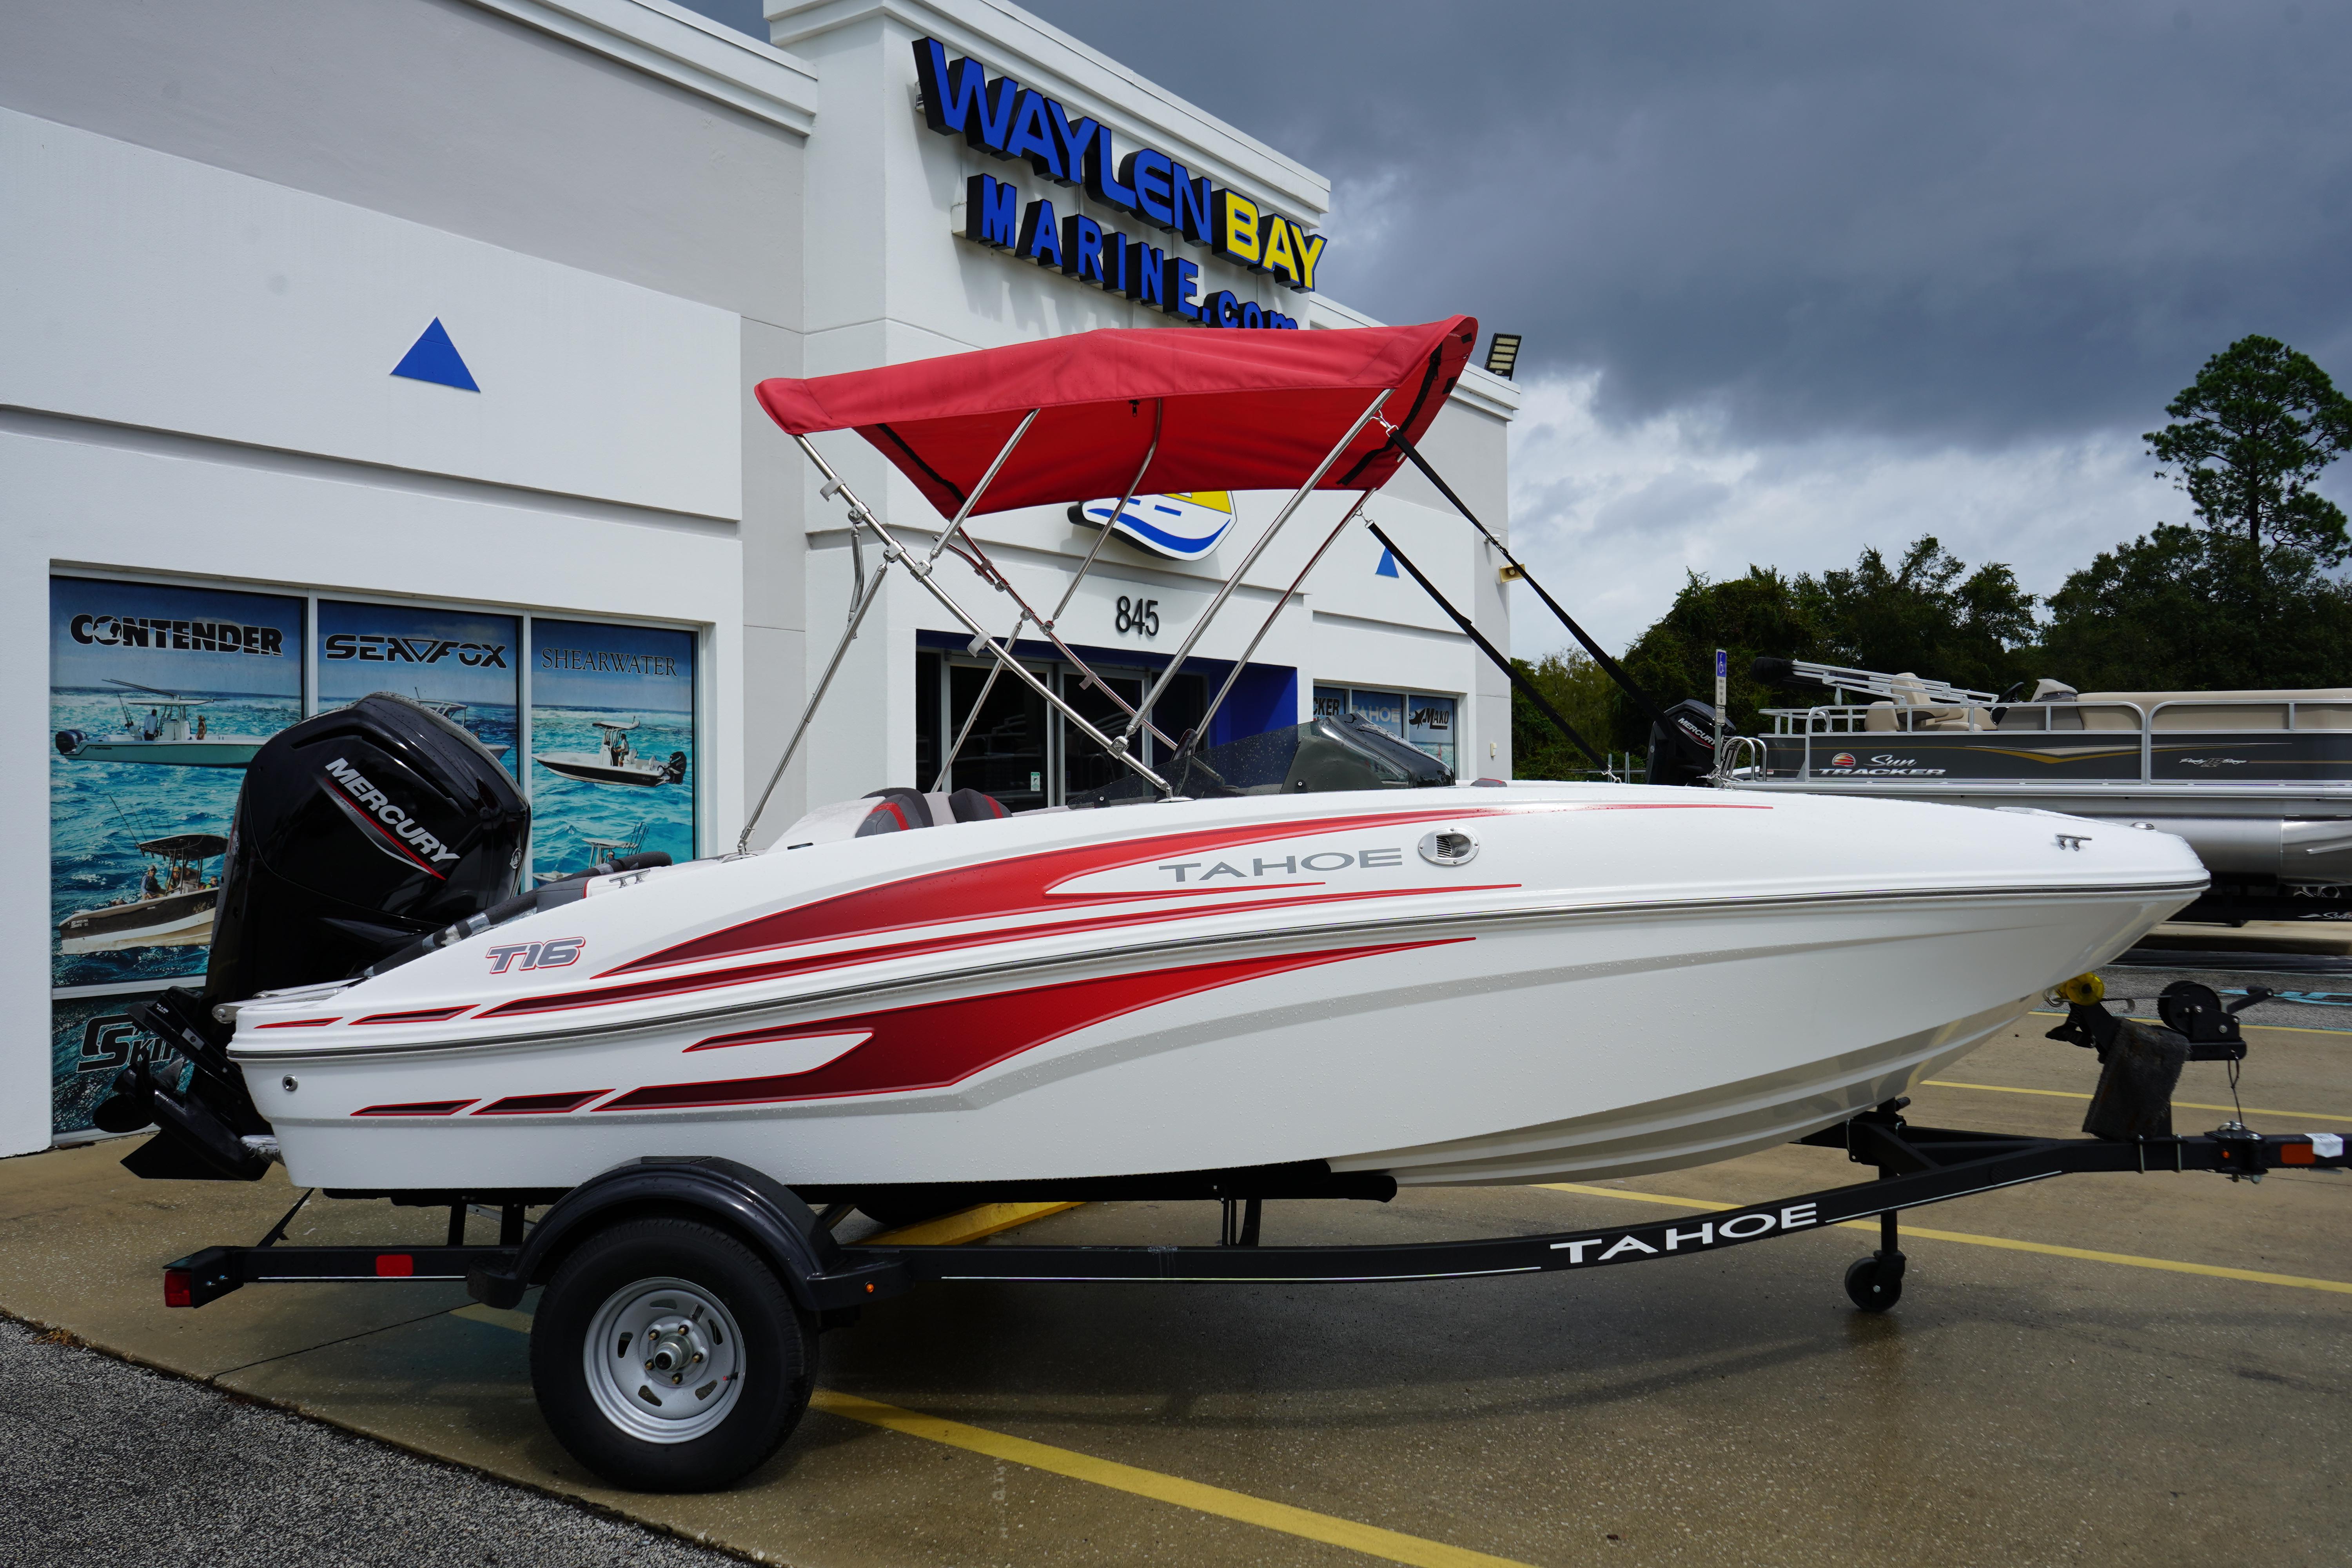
(1237, 410)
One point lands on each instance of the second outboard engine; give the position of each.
(1682, 750)
(357, 832)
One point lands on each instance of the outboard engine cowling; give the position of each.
(357, 832)
(1682, 750)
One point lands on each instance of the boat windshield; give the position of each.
(1319, 755)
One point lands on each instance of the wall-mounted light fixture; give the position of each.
(1502, 354)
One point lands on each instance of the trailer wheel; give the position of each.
(1875, 1284)
(667, 1357)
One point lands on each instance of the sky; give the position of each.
(1799, 278)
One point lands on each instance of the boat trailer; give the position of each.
(1916, 1166)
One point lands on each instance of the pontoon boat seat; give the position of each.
(1920, 713)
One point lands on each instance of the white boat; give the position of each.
(170, 732)
(1310, 953)
(601, 854)
(613, 761)
(173, 907)
(1448, 986)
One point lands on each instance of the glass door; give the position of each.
(1009, 752)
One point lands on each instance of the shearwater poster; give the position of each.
(158, 697)
(465, 665)
(613, 759)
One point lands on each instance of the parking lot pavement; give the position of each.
(110, 1464)
(2093, 1369)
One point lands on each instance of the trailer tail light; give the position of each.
(2296, 1155)
(179, 1289)
(394, 1264)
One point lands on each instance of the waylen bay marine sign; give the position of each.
(998, 116)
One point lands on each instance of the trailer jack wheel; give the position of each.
(1876, 1283)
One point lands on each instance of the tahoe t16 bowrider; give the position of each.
(1308, 963)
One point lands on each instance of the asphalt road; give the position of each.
(110, 1463)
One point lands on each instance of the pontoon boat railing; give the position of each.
(1847, 723)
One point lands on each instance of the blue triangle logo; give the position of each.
(1387, 568)
(434, 358)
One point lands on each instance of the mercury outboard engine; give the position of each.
(1682, 750)
(357, 833)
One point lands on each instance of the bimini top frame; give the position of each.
(1066, 420)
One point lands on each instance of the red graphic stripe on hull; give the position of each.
(417, 1108)
(935, 1044)
(540, 1104)
(996, 889)
(421, 1015)
(637, 991)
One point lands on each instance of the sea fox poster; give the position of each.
(158, 697)
(462, 664)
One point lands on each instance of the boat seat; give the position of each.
(891, 811)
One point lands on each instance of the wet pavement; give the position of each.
(2089, 1370)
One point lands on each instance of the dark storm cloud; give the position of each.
(1963, 223)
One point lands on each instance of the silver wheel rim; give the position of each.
(664, 1360)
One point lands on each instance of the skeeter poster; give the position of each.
(613, 759)
(464, 666)
(158, 697)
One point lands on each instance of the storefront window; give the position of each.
(464, 666)
(1419, 719)
(612, 743)
(158, 697)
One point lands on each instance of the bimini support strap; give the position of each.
(1225, 590)
(1526, 688)
(1609, 666)
(1201, 730)
(947, 765)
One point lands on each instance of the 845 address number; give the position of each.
(1141, 616)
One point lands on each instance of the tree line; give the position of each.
(2247, 595)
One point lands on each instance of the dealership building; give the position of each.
(408, 345)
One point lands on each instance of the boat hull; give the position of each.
(1536, 1014)
(590, 769)
(221, 753)
(176, 920)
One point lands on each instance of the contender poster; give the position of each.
(464, 666)
(613, 762)
(158, 697)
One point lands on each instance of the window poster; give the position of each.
(158, 697)
(1383, 710)
(1429, 724)
(463, 665)
(612, 743)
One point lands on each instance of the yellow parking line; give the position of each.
(2178, 1104)
(2128, 1259)
(1370, 1540)
(965, 1224)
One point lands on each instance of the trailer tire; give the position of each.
(669, 1301)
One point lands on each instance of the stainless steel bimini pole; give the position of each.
(859, 518)
(924, 572)
(1280, 605)
(1225, 592)
(947, 765)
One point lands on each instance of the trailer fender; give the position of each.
(764, 1213)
